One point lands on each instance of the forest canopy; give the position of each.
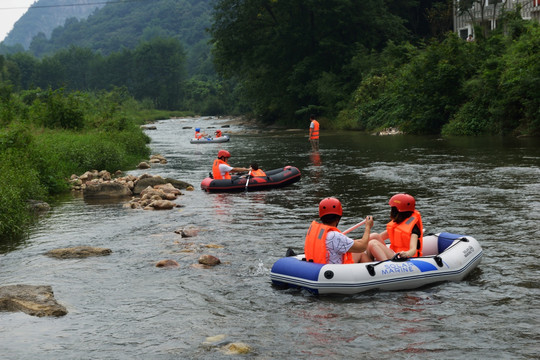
(362, 65)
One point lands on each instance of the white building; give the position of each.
(485, 13)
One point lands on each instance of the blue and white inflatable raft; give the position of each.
(446, 257)
(210, 140)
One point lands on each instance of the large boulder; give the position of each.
(106, 190)
(78, 252)
(32, 300)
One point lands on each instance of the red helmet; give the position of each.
(330, 206)
(223, 153)
(403, 202)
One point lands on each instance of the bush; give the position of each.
(54, 109)
(19, 182)
(94, 150)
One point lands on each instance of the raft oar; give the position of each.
(354, 227)
(247, 182)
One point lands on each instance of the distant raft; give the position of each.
(210, 140)
(446, 257)
(274, 179)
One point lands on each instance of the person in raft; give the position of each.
(221, 169)
(198, 134)
(314, 133)
(218, 133)
(325, 244)
(404, 230)
(255, 171)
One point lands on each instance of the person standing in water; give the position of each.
(314, 133)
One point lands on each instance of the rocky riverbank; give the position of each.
(147, 192)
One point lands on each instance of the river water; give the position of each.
(122, 307)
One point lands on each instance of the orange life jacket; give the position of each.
(314, 132)
(258, 172)
(218, 133)
(198, 135)
(215, 170)
(315, 244)
(400, 234)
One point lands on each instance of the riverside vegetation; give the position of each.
(47, 135)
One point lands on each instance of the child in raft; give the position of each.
(404, 230)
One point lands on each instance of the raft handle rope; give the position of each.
(396, 258)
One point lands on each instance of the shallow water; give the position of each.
(122, 307)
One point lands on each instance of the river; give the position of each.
(122, 307)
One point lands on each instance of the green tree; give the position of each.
(22, 73)
(159, 70)
(519, 107)
(285, 53)
(75, 63)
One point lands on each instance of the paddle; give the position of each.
(354, 227)
(247, 182)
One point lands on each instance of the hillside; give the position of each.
(45, 15)
(125, 24)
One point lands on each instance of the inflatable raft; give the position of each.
(210, 140)
(447, 257)
(274, 179)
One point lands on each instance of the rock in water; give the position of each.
(32, 300)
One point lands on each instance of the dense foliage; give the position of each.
(47, 135)
(294, 57)
(155, 70)
(356, 66)
(455, 87)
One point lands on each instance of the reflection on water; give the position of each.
(315, 157)
(122, 306)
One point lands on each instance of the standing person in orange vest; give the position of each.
(221, 169)
(325, 244)
(405, 231)
(314, 133)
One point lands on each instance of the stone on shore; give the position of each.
(78, 252)
(32, 300)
